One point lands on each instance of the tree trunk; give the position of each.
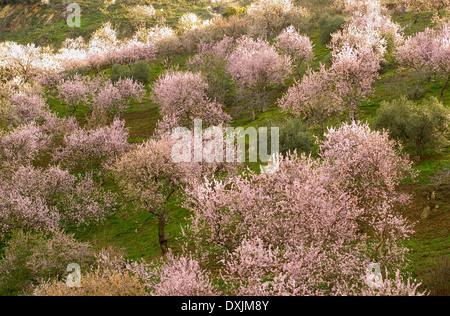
(322, 130)
(298, 69)
(444, 88)
(162, 219)
(353, 112)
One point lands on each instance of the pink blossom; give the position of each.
(298, 47)
(255, 65)
(429, 51)
(315, 98)
(46, 200)
(354, 70)
(308, 229)
(182, 96)
(28, 107)
(175, 276)
(87, 147)
(22, 144)
(74, 92)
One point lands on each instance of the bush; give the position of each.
(5, 2)
(410, 84)
(419, 126)
(139, 72)
(30, 259)
(294, 135)
(220, 86)
(230, 11)
(328, 25)
(8, 116)
(117, 73)
(96, 283)
(438, 277)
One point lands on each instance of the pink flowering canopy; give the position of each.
(299, 231)
(298, 47)
(47, 200)
(315, 98)
(99, 93)
(429, 52)
(182, 98)
(84, 148)
(355, 70)
(255, 65)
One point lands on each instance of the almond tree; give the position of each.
(49, 199)
(163, 37)
(29, 107)
(183, 98)
(359, 37)
(255, 65)
(267, 17)
(98, 93)
(131, 51)
(220, 49)
(441, 56)
(84, 148)
(150, 177)
(101, 46)
(370, 26)
(314, 98)
(72, 53)
(298, 47)
(22, 144)
(359, 49)
(25, 61)
(75, 92)
(103, 50)
(367, 163)
(354, 70)
(300, 231)
(429, 51)
(174, 276)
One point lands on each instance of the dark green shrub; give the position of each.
(294, 135)
(4, 2)
(437, 279)
(220, 84)
(29, 259)
(117, 73)
(140, 72)
(230, 11)
(419, 126)
(328, 25)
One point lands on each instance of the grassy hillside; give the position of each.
(46, 24)
(136, 230)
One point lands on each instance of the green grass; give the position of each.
(93, 15)
(424, 250)
(136, 231)
(433, 164)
